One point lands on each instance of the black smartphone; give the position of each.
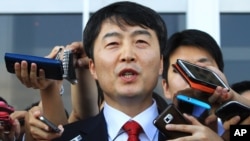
(193, 106)
(231, 109)
(170, 115)
(199, 77)
(53, 68)
(52, 126)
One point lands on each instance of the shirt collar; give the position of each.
(116, 119)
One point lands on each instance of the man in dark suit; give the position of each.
(124, 42)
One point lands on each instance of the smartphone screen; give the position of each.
(193, 106)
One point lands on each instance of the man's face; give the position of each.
(191, 54)
(127, 62)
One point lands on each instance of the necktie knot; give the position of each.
(133, 130)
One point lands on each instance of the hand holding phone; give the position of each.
(5, 111)
(4, 107)
(199, 77)
(53, 68)
(171, 115)
(5, 121)
(52, 126)
(231, 109)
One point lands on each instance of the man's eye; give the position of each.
(141, 43)
(112, 44)
(175, 71)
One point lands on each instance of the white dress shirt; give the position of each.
(116, 119)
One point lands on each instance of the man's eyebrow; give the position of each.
(110, 34)
(203, 60)
(137, 32)
(141, 32)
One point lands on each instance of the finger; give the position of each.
(42, 78)
(216, 95)
(232, 121)
(18, 114)
(179, 127)
(25, 74)
(54, 52)
(41, 134)
(83, 62)
(246, 121)
(37, 133)
(75, 47)
(227, 95)
(35, 123)
(38, 82)
(17, 128)
(42, 81)
(211, 118)
(33, 75)
(17, 67)
(192, 119)
(184, 127)
(61, 129)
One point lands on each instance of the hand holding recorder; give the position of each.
(5, 119)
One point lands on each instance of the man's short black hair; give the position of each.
(241, 86)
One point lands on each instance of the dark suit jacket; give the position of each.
(92, 129)
(95, 128)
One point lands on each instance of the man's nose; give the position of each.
(128, 54)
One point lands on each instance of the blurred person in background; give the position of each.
(242, 87)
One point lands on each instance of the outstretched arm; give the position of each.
(84, 93)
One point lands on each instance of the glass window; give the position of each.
(236, 45)
(33, 34)
(175, 22)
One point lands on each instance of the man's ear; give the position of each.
(92, 69)
(166, 89)
(161, 66)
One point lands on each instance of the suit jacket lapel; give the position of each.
(97, 130)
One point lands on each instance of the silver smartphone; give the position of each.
(52, 126)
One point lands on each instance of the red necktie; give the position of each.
(133, 130)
